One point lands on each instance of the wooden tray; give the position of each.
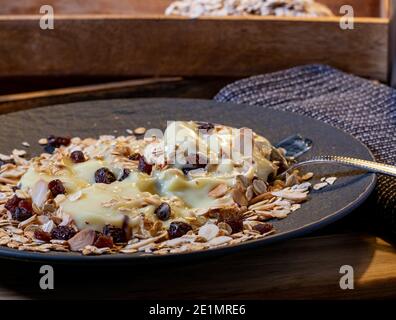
(134, 38)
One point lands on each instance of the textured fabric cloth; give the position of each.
(361, 107)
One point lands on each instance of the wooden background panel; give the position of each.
(205, 47)
(363, 8)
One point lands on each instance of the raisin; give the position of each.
(42, 235)
(134, 156)
(3, 162)
(205, 126)
(26, 204)
(104, 175)
(12, 203)
(56, 142)
(103, 241)
(21, 214)
(163, 212)
(144, 166)
(194, 161)
(263, 227)
(117, 234)
(56, 187)
(233, 219)
(125, 174)
(63, 233)
(49, 149)
(178, 229)
(77, 156)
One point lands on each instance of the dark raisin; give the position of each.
(144, 166)
(26, 204)
(63, 233)
(117, 234)
(21, 214)
(178, 229)
(125, 174)
(135, 156)
(163, 212)
(77, 156)
(42, 235)
(194, 161)
(205, 126)
(263, 227)
(103, 241)
(49, 149)
(233, 219)
(56, 142)
(12, 203)
(3, 162)
(104, 175)
(56, 187)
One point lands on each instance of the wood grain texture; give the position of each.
(362, 8)
(306, 268)
(156, 46)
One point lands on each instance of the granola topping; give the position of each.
(154, 195)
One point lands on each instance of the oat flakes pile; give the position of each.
(197, 8)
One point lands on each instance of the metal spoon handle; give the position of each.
(369, 166)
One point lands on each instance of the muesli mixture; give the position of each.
(297, 8)
(132, 193)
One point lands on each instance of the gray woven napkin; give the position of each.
(364, 108)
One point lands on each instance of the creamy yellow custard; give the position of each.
(92, 204)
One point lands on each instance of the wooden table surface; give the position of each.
(303, 268)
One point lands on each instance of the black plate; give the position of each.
(90, 119)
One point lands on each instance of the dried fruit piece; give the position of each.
(63, 233)
(104, 175)
(42, 235)
(163, 212)
(233, 218)
(125, 174)
(134, 156)
(263, 227)
(206, 126)
(3, 162)
(144, 166)
(56, 187)
(117, 234)
(103, 241)
(77, 156)
(178, 229)
(82, 239)
(56, 142)
(12, 203)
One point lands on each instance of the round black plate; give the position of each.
(94, 118)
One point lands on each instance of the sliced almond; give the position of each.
(208, 231)
(239, 197)
(40, 193)
(307, 176)
(320, 186)
(219, 240)
(259, 186)
(218, 191)
(291, 195)
(140, 130)
(82, 239)
(331, 180)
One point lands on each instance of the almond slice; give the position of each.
(208, 231)
(82, 239)
(218, 191)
